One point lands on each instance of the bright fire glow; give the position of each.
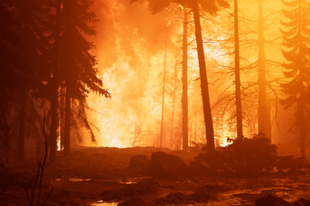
(132, 57)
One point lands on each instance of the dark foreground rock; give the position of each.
(165, 166)
(197, 168)
(271, 200)
(302, 202)
(139, 162)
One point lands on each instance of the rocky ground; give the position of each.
(101, 176)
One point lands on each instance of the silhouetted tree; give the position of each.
(14, 73)
(54, 86)
(211, 7)
(296, 51)
(264, 122)
(163, 98)
(32, 26)
(76, 64)
(184, 83)
(237, 73)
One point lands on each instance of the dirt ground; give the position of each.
(100, 176)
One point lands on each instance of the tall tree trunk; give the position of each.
(264, 122)
(303, 136)
(184, 83)
(195, 139)
(54, 101)
(173, 105)
(204, 81)
(136, 133)
(62, 116)
(237, 74)
(22, 119)
(163, 98)
(67, 120)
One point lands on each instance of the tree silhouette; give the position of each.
(264, 122)
(185, 82)
(296, 51)
(212, 7)
(32, 26)
(237, 73)
(54, 85)
(14, 74)
(76, 65)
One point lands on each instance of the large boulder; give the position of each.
(197, 168)
(165, 166)
(271, 200)
(138, 162)
(302, 202)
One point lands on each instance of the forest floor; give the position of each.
(90, 174)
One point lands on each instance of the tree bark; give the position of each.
(62, 116)
(303, 136)
(67, 120)
(264, 122)
(203, 80)
(184, 83)
(163, 99)
(54, 101)
(22, 119)
(173, 106)
(237, 75)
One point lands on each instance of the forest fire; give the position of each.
(136, 80)
(154, 102)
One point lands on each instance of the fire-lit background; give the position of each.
(131, 48)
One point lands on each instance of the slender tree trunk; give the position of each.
(22, 119)
(264, 122)
(191, 133)
(67, 120)
(195, 140)
(62, 116)
(184, 83)
(303, 135)
(163, 98)
(173, 105)
(204, 81)
(136, 133)
(54, 101)
(237, 74)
